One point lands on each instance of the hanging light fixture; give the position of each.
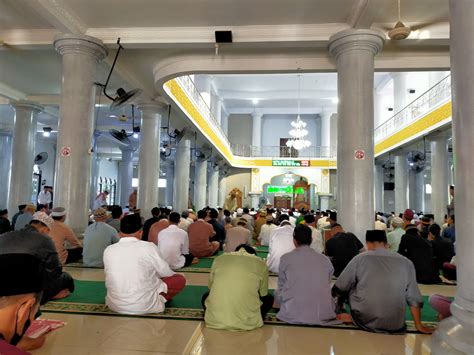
(299, 131)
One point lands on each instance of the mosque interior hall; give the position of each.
(355, 109)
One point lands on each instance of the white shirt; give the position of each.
(133, 269)
(318, 243)
(99, 201)
(44, 198)
(265, 232)
(281, 242)
(184, 223)
(322, 223)
(380, 225)
(174, 242)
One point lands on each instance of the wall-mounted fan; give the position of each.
(122, 135)
(41, 158)
(122, 97)
(416, 161)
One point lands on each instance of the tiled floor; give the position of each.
(121, 335)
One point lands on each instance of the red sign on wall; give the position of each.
(359, 154)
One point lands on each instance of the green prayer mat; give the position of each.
(203, 266)
(89, 298)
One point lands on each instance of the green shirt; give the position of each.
(236, 282)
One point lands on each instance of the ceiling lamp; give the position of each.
(299, 131)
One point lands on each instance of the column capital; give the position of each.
(152, 106)
(80, 44)
(33, 106)
(257, 115)
(356, 39)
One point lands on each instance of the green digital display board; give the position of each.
(291, 163)
(274, 189)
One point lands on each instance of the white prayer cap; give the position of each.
(43, 218)
(58, 212)
(240, 211)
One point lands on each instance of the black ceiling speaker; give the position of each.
(41, 158)
(121, 136)
(223, 36)
(122, 97)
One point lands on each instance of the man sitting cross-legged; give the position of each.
(137, 279)
(200, 234)
(174, 244)
(22, 277)
(304, 283)
(34, 240)
(281, 242)
(237, 235)
(379, 284)
(238, 298)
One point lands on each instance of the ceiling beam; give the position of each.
(282, 110)
(11, 93)
(277, 94)
(57, 15)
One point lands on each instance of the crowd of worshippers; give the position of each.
(307, 250)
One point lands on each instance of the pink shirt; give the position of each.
(59, 233)
(199, 234)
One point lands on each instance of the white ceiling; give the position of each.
(155, 32)
(279, 92)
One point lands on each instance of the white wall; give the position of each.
(240, 129)
(108, 169)
(275, 127)
(241, 179)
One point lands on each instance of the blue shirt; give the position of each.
(450, 233)
(97, 237)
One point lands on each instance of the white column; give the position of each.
(213, 185)
(200, 183)
(149, 155)
(81, 55)
(355, 48)
(257, 129)
(439, 178)
(181, 175)
(325, 133)
(225, 123)
(324, 201)
(333, 139)
(5, 159)
(455, 335)
(222, 190)
(412, 190)
(23, 153)
(254, 199)
(401, 182)
(217, 108)
(94, 169)
(401, 99)
(378, 188)
(126, 174)
(420, 192)
(170, 183)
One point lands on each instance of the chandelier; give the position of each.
(299, 131)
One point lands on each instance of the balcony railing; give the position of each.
(282, 152)
(193, 93)
(427, 102)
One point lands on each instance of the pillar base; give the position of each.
(452, 338)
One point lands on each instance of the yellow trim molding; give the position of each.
(435, 118)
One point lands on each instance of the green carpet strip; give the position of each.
(89, 298)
